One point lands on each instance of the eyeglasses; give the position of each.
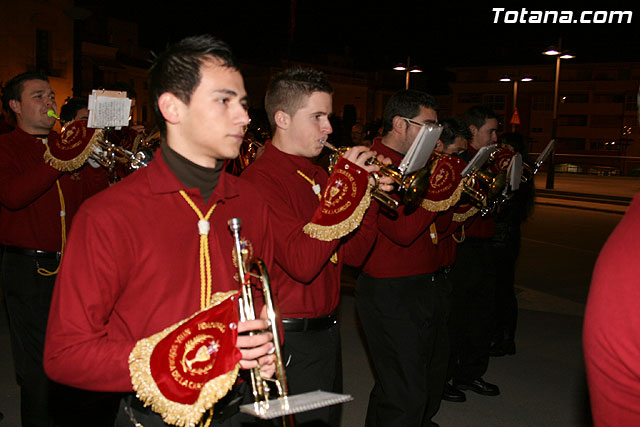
(417, 123)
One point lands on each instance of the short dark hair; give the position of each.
(71, 107)
(516, 140)
(177, 69)
(478, 115)
(288, 89)
(453, 128)
(405, 103)
(14, 87)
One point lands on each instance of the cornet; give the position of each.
(256, 269)
(412, 186)
(264, 406)
(108, 154)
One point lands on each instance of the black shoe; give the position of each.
(452, 394)
(479, 386)
(503, 348)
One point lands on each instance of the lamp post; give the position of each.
(559, 54)
(515, 93)
(407, 69)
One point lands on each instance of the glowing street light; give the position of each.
(559, 54)
(407, 69)
(515, 94)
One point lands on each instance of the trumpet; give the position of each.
(256, 269)
(412, 186)
(107, 154)
(264, 406)
(484, 186)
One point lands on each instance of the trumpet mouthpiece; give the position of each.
(53, 114)
(235, 224)
(328, 144)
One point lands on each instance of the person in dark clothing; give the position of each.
(506, 248)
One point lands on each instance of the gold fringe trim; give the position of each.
(147, 391)
(327, 233)
(443, 205)
(462, 217)
(76, 162)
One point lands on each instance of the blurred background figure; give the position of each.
(74, 109)
(506, 248)
(358, 134)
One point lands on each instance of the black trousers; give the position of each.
(404, 321)
(314, 362)
(472, 320)
(28, 297)
(506, 255)
(42, 401)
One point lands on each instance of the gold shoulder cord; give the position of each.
(315, 187)
(205, 261)
(461, 236)
(63, 226)
(433, 233)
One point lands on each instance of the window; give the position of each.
(470, 98)
(495, 102)
(571, 144)
(542, 102)
(606, 121)
(608, 98)
(572, 120)
(574, 98)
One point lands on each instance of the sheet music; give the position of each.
(421, 148)
(108, 109)
(515, 172)
(293, 404)
(479, 159)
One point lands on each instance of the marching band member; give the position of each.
(400, 298)
(154, 249)
(38, 205)
(474, 277)
(308, 265)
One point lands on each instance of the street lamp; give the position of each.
(515, 94)
(407, 69)
(559, 54)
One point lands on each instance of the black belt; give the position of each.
(309, 324)
(36, 253)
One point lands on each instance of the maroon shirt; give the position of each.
(30, 214)
(403, 246)
(307, 283)
(131, 269)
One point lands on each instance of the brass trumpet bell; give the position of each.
(411, 187)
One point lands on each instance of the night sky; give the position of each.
(436, 36)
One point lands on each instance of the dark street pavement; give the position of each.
(543, 384)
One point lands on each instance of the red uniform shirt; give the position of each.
(306, 282)
(132, 268)
(611, 335)
(403, 246)
(30, 214)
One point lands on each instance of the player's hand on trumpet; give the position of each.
(257, 349)
(360, 155)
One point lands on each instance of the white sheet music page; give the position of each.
(109, 109)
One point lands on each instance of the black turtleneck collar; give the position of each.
(190, 174)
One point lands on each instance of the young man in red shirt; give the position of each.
(154, 248)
